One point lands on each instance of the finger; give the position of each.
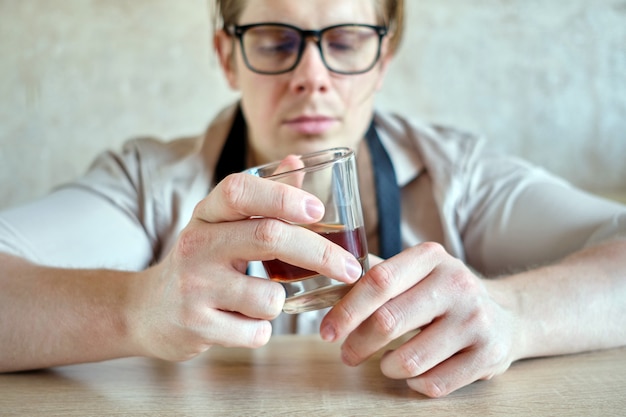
(291, 163)
(433, 345)
(253, 297)
(265, 239)
(452, 374)
(413, 309)
(232, 329)
(240, 196)
(374, 260)
(380, 284)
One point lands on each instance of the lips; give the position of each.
(311, 125)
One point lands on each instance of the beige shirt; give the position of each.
(498, 214)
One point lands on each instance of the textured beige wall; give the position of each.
(545, 79)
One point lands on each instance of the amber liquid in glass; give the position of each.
(351, 240)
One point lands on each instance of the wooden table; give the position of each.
(301, 375)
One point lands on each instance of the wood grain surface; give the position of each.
(302, 375)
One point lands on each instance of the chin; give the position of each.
(310, 145)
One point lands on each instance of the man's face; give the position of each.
(308, 108)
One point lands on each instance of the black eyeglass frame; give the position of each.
(239, 30)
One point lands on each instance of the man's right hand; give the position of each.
(200, 296)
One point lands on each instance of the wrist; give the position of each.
(512, 301)
(135, 313)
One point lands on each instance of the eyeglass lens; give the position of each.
(345, 49)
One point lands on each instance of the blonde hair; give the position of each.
(227, 12)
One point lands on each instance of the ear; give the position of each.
(225, 49)
(385, 59)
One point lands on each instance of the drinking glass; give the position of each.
(331, 176)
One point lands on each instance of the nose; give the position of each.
(310, 75)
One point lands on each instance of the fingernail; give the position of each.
(353, 268)
(328, 333)
(314, 209)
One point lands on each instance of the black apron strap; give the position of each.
(387, 196)
(233, 156)
(233, 159)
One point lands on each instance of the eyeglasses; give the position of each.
(276, 48)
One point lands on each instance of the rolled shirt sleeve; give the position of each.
(75, 228)
(514, 215)
(496, 212)
(124, 213)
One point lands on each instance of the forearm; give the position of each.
(576, 305)
(51, 316)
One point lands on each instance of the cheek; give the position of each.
(261, 104)
(260, 100)
(358, 90)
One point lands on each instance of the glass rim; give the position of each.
(341, 154)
